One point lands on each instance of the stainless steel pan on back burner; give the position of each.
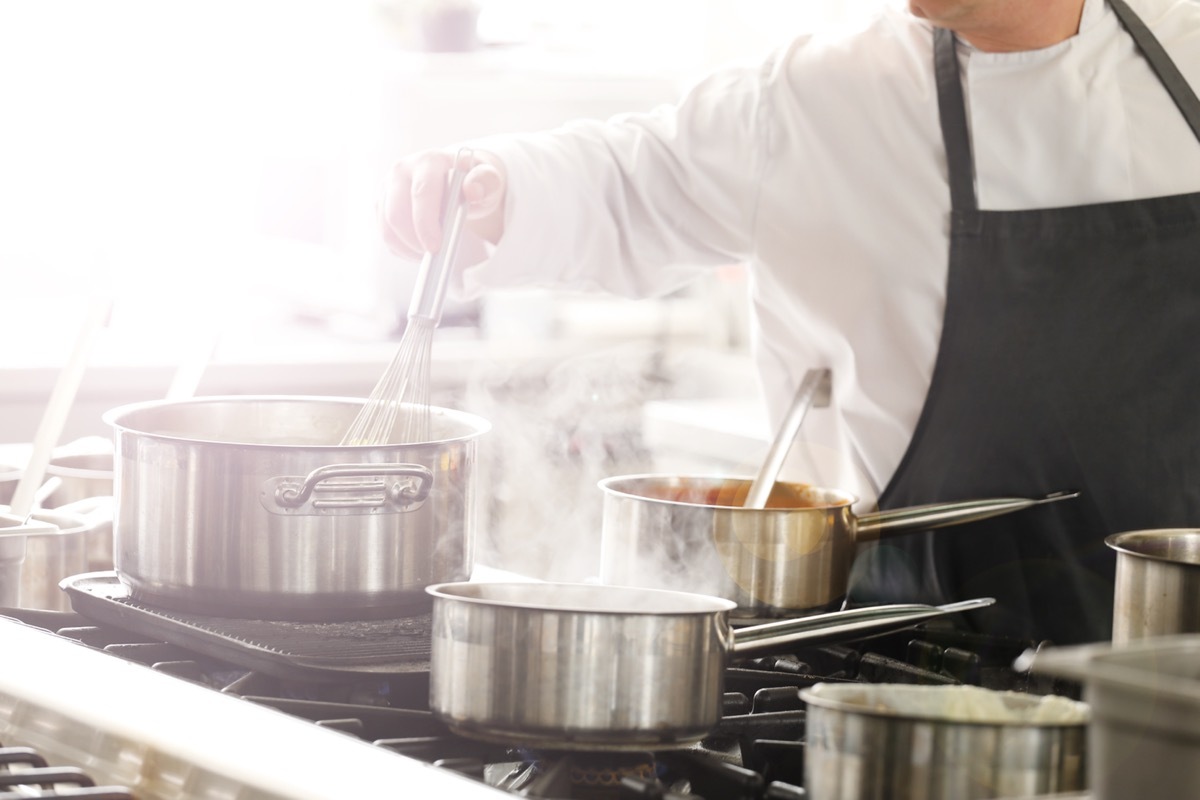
(793, 557)
(249, 507)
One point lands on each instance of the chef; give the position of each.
(982, 215)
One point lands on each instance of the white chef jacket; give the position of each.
(824, 169)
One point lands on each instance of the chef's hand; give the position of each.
(410, 212)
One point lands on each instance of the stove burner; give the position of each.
(601, 776)
(300, 650)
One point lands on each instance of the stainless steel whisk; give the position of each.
(402, 393)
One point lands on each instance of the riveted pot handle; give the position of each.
(349, 489)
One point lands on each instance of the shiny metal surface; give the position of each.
(12, 556)
(198, 524)
(691, 533)
(571, 666)
(815, 390)
(1144, 738)
(83, 476)
(32, 564)
(856, 752)
(51, 557)
(841, 626)
(1157, 587)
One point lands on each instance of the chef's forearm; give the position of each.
(637, 205)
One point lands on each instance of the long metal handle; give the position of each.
(872, 527)
(814, 390)
(842, 625)
(429, 292)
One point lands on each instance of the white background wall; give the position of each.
(213, 164)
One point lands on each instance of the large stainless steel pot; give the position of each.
(249, 507)
(900, 742)
(1157, 588)
(691, 533)
(569, 666)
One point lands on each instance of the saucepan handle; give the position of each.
(840, 626)
(346, 489)
(877, 525)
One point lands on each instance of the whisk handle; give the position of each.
(429, 293)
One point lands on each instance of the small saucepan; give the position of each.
(580, 666)
(692, 533)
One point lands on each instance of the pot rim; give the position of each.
(1123, 543)
(116, 417)
(63, 523)
(813, 696)
(846, 499)
(574, 598)
(68, 466)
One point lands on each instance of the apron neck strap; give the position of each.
(952, 111)
(953, 114)
(1162, 64)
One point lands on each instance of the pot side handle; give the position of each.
(349, 489)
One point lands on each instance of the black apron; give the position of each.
(1068, 360)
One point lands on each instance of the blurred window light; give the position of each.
(169, 138)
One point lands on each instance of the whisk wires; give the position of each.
(398, 407)
(397, 410)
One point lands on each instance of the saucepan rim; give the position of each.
(580, 598)
(844, 499)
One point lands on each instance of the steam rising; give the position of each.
(558, 429)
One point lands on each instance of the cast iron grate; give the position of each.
(24, 773)
(304, 650)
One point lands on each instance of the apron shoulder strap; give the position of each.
(952, 107)
(1161, 62)
(952, 113)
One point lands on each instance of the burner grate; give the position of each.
(302, 650)
(24, 773)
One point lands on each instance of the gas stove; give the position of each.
(146, 713)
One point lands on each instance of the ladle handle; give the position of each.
(813, 390)
(54, 419)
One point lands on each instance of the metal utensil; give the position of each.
(55, 417)
(404, 387)
(814, 391)
(842, 626)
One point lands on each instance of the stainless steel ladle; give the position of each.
(815, 390)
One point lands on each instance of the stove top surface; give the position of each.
(286, 649)
(178, 695)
